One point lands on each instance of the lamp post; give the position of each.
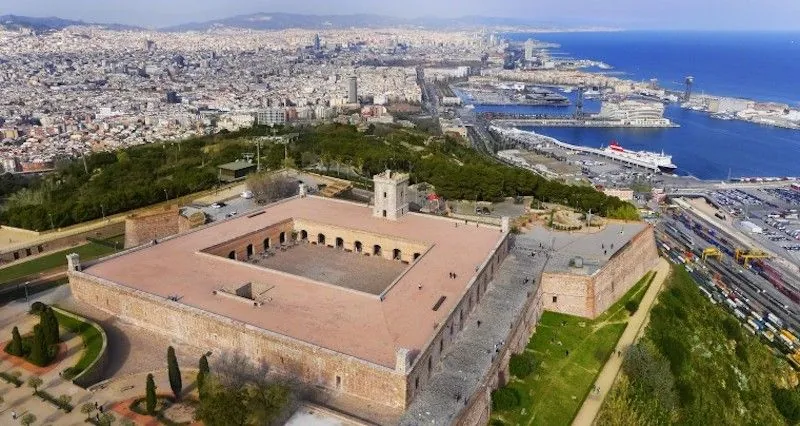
(166, 194)
(52, 226)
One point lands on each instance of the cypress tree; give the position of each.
(202, 374)
(39, 355)
(150, 395)
(49, 325)
(16, 343)
(56, 337)
(174, 373)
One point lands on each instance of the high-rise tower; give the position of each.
(352, 90)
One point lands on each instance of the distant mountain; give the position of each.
(52, 23)
(279, 21)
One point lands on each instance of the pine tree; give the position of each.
(202, 374)
(150, 395)
(174, 373)
(39, 355)
(16, 343)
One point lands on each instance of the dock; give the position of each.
(583, 122)
(530, 140)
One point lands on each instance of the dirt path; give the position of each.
(636, 324)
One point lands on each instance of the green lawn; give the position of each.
(52, 261)
(92, 339)
(555, 391)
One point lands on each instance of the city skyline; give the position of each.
(627, 14)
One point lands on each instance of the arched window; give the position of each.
(357, 247)
(303, 235)
(321, 239)
(232, 255)
(376, 250)
(249, 250)
(282, 237)
(339, 243)
(397, 254)
(266, 244)
(416, 256)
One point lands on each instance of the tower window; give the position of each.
(555, 299)
(384, 195)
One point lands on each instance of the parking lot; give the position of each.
(773, 210)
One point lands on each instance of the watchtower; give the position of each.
(391, 195)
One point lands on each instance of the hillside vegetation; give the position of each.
(113, 182)
(697, 365)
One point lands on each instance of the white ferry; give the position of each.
(641, 158)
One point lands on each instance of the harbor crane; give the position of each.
(745, 256)
(712, 251)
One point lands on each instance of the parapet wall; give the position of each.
(94, 372)
(60, 240)
(324, 370)
(142, 228)
(624, 269)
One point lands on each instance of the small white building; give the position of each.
(751, 227)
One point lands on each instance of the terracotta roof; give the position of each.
(349, 322)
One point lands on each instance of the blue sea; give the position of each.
(763, 66)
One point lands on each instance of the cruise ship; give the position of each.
(645, 159)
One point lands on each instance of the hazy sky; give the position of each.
(654, 14)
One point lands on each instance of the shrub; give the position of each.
(69, 373)
(632, 306)
(505, 399)
(11, 378)
(15, 347)
(788, 403)
(521, 365)
(37, 307)
(732, 328)
(497, 422)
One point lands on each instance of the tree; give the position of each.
(222, 406)
(266, 402)
(28, 419)
(174, 373)
(107, 419)
(87, 409)
(35, 382)
(202, 374)
(788, 403)
(49, 324)
(64, 400)
(647, 368)
(16, 343)
(39, 351)
(150, 395)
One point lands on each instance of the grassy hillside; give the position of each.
(697, 365)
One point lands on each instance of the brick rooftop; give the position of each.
(349, 322)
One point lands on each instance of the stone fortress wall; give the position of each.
(44, 242)
(312, 365)
(586, 296)
(589, 295)
(143, 227)
(330, 373)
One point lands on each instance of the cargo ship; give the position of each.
(650, 160)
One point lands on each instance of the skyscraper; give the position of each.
(529, 50)
(316, 42)
(352, 90)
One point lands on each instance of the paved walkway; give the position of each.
(636, 325)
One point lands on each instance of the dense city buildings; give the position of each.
(88, 89)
